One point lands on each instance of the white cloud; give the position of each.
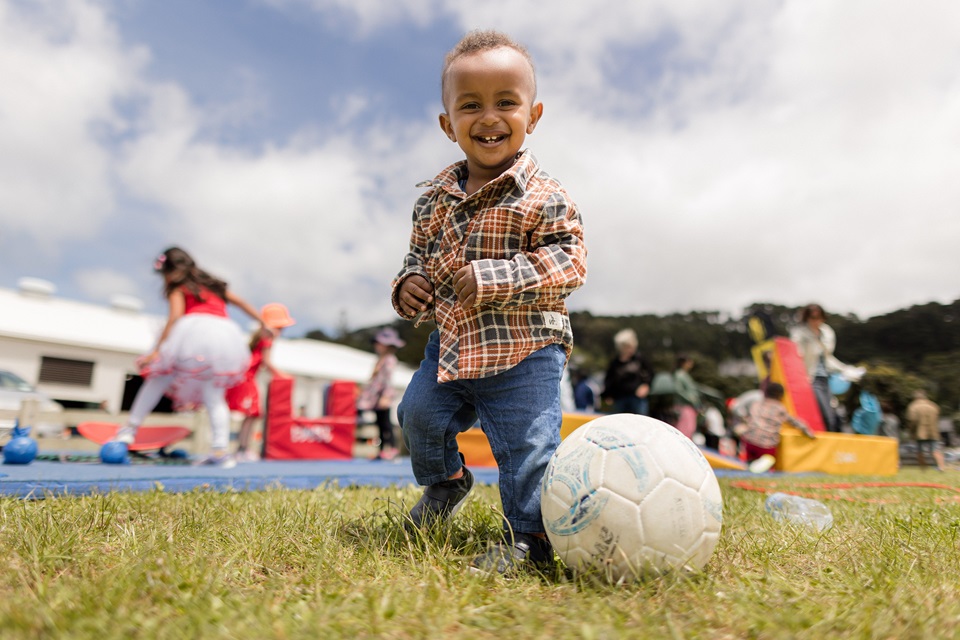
(722, 154)
(809, 163)
(103, 283)
(62, 70)
(312, 222)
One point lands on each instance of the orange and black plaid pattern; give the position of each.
(523, 236)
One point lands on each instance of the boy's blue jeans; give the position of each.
(519, 411)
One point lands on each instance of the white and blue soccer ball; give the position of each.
(630, 497)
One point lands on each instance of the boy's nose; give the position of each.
(489, 116)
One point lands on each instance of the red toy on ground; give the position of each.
(148, 438)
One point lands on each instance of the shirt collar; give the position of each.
(525, 167)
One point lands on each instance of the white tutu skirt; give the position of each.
(200, 348)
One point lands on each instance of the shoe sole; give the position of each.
(216, 465)
(526, 566)
(459, 505)
(516, 566)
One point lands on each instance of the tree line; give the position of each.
(906, 350)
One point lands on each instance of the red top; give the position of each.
(256, 356)
(211, 303)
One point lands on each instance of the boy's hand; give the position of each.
(465, 286)
(416, 294)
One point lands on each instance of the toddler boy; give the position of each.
(496, 247)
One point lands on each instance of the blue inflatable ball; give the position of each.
(114, 453)
(20, 450)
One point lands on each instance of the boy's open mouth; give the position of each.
(490, 139)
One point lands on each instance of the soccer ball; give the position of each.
(630, 497)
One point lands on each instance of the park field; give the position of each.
(335, 563)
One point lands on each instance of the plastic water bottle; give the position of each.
(800, 511)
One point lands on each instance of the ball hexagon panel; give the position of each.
(672, 518)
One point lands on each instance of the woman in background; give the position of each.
(816, 341)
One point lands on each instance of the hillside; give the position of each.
(903, 350)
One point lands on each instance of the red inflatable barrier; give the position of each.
(286, 437)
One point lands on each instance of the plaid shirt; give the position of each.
(522, 234)
(764, 421)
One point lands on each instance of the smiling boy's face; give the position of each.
(489, 97)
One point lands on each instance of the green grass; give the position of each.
(334, 563)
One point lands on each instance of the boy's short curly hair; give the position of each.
(484, 40)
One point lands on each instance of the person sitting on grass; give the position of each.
(760, 431)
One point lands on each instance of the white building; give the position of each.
(85, 353)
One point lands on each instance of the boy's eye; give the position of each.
(504, 104)
(470, 106)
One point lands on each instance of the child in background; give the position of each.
(688, 402)
(584, 394)
(760, 431)
(199, 354)
(377, 396)
(245, 397)
(497, 246)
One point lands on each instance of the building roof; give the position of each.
(34, 314)
(39, 316)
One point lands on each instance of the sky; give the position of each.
(721, 153)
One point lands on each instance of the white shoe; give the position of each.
(225, 461)
(247, 456)
(762, 464)
(126, 435)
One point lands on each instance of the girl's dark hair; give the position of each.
(683, 359)
(185, 273)
(255, 337)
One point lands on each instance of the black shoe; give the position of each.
(441, 501)
(524, 551)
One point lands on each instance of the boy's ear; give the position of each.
(536, 112)
(447, 127)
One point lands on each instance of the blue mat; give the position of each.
(42, 478)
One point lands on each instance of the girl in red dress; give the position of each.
(199, 354)
(245, 397)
